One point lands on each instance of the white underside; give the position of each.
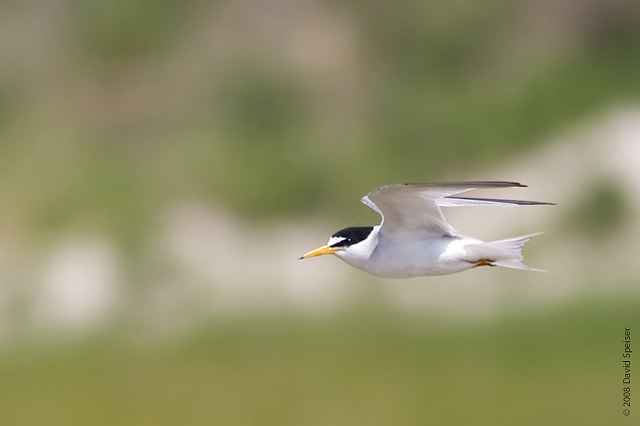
(415, 258)
(411, 257)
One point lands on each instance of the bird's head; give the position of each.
(345, 242)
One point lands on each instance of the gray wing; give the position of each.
(413, 210)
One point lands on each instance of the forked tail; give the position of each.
(506, 253)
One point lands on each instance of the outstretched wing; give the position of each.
(413, 210)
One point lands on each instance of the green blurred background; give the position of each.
(163, 164)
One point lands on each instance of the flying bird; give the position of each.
(414, 239)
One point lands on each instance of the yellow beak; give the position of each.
(325, 249)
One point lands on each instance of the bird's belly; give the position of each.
(405, 259)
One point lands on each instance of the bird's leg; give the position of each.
(483, 262)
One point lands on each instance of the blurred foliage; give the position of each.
(374, 369)
(120, 30)
(142, 103)
(255, 105)
(440, 103)
(600, 211)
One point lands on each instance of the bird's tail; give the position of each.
(506, 253)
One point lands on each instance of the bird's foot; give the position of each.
(483, 262)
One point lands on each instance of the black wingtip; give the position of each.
(473, 184)
(504, 201)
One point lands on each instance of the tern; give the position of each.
(414, 239)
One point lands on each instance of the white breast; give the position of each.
(416, 257)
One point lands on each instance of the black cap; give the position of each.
(351, 235)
